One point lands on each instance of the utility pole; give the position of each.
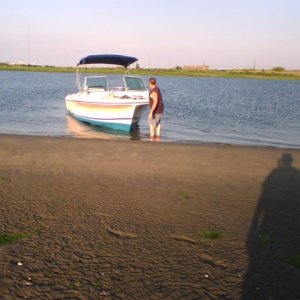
(28, 43)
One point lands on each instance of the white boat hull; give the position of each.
(112, 112)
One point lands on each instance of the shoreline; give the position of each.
(162, 141)
(234, 73)
(130, 220)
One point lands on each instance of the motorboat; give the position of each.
(97, 103)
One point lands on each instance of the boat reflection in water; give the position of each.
(80, 129)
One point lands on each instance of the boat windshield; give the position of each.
(133, 83)
(96, 82)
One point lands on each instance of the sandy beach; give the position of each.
(136, 220)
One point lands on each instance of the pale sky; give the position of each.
(161, 33)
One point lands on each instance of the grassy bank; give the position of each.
(234, 73)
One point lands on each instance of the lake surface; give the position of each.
(197, 110)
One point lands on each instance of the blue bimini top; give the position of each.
(111, 59)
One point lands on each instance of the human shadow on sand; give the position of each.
(274, 238)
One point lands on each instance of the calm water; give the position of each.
(239, 111)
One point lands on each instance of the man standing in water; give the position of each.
(156, 108)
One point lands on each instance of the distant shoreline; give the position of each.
(234, 73)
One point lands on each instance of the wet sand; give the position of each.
(126, 220)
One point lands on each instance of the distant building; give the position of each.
(196, 67)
